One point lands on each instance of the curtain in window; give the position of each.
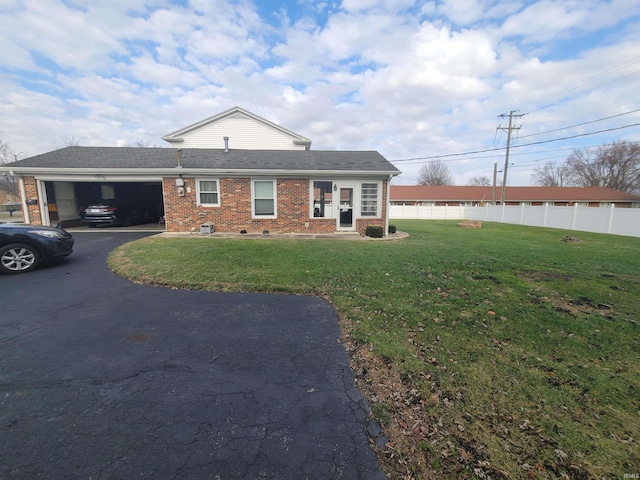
(264, 197)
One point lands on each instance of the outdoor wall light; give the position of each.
(335, 187)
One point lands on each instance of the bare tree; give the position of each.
(615, 165)
(70, 140)
(551, 175)
(434, 173)
(8, 183)
(140, 144)
(483, 181)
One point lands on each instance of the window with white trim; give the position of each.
(207, 191)
(264, 198)
(322, 192)
(369, 196)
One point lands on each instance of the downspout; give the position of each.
(388, 207)
(23, 196)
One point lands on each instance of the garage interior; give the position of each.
(65, 199)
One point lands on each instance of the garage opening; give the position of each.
(104, 204)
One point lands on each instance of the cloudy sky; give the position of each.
(413, 80)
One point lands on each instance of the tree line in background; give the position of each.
(615, 165)
(8, 183)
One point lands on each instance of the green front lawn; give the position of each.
(498, 352)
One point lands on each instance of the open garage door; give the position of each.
(122, 204)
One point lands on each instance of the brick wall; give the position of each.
(182, 214)
(32, 193)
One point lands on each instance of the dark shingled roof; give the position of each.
(162, 158)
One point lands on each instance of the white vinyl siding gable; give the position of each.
(244, 134)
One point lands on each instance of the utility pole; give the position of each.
(506, 160)
(495, 175)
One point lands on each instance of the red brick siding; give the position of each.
(32, 193)
(363, 223)
(182, 214)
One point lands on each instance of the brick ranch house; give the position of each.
(234, 171)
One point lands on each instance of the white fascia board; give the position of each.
(285, 173)
(170, 139)
(72, 172)
(99, 178)
(156, 174)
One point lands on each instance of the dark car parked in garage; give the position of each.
(24, 247)
(118, 212)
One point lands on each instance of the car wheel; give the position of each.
(18, 258)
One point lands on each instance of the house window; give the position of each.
(369, 200)
(107, 192)
(264, 198)
(322, 199)
(208, 192)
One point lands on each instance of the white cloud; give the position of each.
(408, 80)
(62, 35)
(547, 20)
(469, 12)
(462, 12)
(367, 5)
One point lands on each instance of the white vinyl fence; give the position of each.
(423, 212)
(616, 221)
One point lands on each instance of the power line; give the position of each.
(604, 73)
(497, 149)
(585, 91)
(581, 124)
(578, 135)
(516, 146)
(535, 152)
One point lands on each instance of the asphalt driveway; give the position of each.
(101, 378)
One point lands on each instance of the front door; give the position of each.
(345, 209)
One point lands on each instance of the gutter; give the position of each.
(172, 171)
(388, 207)
(170, 139)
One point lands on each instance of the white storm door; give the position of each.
(345, 219)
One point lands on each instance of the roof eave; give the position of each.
(171, 139)
(34, 171)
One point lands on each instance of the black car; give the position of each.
(113, 212)
(24, 247)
